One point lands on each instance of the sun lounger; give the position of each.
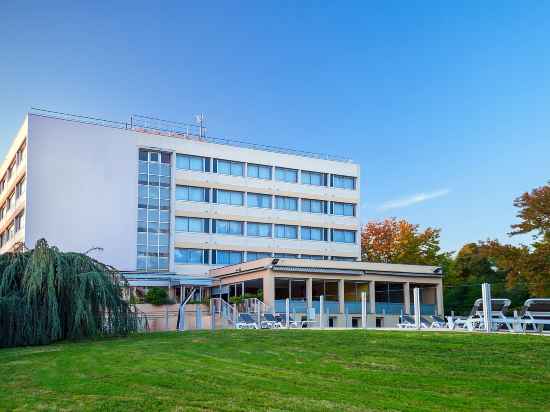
(535, 314)
(433, 322)
(270, 322)
(246, 322)
(408, 322)
(476, 319)
(281, 317)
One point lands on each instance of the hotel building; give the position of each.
(169, 205)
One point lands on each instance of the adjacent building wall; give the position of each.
(82, 189)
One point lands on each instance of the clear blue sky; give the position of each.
(444, 105)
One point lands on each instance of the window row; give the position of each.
(14, 227)
(260, 200)
(232, 257)
(9, 204)
(241, 228)
(258, 171)
(10, 171)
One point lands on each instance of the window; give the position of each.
(191, 256)
(250, 256)
(227, 257)
(9, 172)
(20, 221)
(286, 256)
(153, 226)
(343, 236)
(344, 258)
(20, 188)
(228, 227)
(311, 233)
(313, 206)
(191, 224)
(344, 182)
(19, 155)
(228, 197)
(312, 178)
(258, 229)
(2, 185)
(188, 162)
(286, 203)
(10, 202)
(282, 174)
(229, 167)
(286, 231)
(313, 257)
(259, 171)
(193, 193)
(258, 200)
(343, 209)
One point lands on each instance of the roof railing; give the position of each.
(153, 125)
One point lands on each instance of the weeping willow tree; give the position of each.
(47, 295)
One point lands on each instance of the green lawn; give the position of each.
(282, 370)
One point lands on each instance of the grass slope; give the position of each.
(233, 370)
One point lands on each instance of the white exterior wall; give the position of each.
(82, 189)
(82, 193)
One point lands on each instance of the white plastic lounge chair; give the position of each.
(281, 317)
(476, 321)
(535, 314)
(408, 322)
(437, 322)
(246, 322)
(270, 322)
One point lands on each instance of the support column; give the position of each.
(407, 298)
(372, 297)
(309, 292)
(439, 299)
(269, 291)
(341, 297)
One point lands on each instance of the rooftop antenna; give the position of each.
(201, 121)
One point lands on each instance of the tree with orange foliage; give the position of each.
(399, 241)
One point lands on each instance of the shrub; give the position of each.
(157, 296)
(236, 299)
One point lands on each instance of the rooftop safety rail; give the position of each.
(153, 125)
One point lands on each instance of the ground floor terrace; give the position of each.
(339, 287)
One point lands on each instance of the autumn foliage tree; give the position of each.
(399, 241)
(528, 264)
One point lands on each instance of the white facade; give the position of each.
(82, 192)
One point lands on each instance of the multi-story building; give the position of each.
(173, 208)
(158, 199)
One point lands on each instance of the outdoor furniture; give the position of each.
(535, 314)
(437, 322)
(281, 317)
(311, 319)
(476, 319)
(270, 322)
(406, 322)
(246, 321)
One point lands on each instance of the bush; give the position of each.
(236, 300)
(157, 296)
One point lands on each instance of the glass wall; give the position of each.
(389, 297)
(153, 226)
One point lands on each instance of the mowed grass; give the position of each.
(350, 370)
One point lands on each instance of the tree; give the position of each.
(398, 241)
(47, 295)
(156, 296)
(534, 213)
(475, 264)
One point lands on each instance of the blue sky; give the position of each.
(445, 106)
